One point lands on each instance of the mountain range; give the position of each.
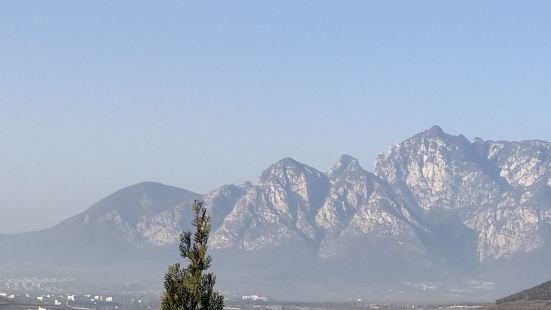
(438, 212)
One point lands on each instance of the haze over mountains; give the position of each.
(436, 207)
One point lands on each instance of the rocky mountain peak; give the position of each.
(286, 163)
(435, 130)
(288, 170)
(435, 134)
(346, 163)
(430, 146)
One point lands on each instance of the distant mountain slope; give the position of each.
(540, 292)
(147, 213)
(119, 226)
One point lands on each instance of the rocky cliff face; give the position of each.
(498, 189)
(280, 208)
(296, 203)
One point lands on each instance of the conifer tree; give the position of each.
(192, 288)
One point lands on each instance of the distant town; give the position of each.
(36, 293)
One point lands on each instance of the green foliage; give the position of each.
(540, 292)
(192, 288)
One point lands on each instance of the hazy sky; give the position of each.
(98, 95)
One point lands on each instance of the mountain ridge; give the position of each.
(437, 205)
(538, 292)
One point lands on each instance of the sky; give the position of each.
(99, 95)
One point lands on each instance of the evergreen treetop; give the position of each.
(192, 288)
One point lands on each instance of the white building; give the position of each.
(254, 298)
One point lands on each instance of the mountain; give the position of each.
(437, 208)
(144, 214)
(123, 225)
(332, 215)
(539, 292)
(499, 190)
(279, 209)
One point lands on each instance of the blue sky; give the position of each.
(98, 95)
